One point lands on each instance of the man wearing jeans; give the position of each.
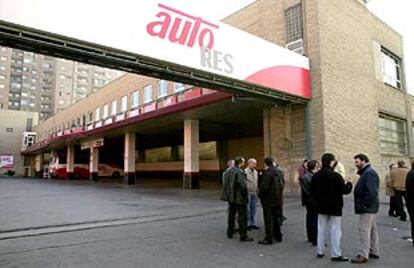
(328, 188)
(366, 206)
(252, 177)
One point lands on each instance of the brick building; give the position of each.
(359, 103)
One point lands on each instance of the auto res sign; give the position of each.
(165, 31)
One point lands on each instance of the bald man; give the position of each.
(252, 178)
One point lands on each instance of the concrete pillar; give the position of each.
(39, 165)
(191, 178)
(129, 158)
(93, 163)
(70, 162)
(222, 154)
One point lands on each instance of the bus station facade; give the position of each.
(150, 127)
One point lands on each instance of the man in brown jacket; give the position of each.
(389, 191)
(398, 177)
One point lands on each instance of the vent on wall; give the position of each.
(296, 46)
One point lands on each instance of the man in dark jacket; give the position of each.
(270, 194)
(366, 202)
(235, 193)
(328, 188)
(311, 215)
(409, 185)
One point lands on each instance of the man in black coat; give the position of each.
(409, 185)
(328, 188)
(235, 193)
(270, 194)
(366, 203)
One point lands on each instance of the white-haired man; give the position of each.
(252, 178)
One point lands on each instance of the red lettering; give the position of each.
(183, 34)
(201, 39)
(161, 25)
(193, 30)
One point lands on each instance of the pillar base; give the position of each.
(70, 176)
(191, 180)
(129, 178)
(93, 176)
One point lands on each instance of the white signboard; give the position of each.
(160, 30)
(6, 161)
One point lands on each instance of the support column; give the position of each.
(39, 165)
(191, 178)
(70, 162)
(129, 158)
(93, 163)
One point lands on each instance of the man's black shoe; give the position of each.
(254, 227)
(249, 228)
(246, 239)
(278, 240)
(229, 236)
(403, 219)
(340, 259)
(374, 256)
(320, 256)
(266, 242)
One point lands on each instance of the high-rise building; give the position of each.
(38, 83)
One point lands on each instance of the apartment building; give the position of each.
(38, 83)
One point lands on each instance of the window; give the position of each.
(148, 94)
(105, 111)
(392, 135)
(135, 99)
(114, 107)
(178, 87)
(97, 114)
(294, 24)
(9, 130)
(158, 155)
(162, 88)
(391, 68)
(208, 150)
(3, 77)
(29, 124)
(124, 103)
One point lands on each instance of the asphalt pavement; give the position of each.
(49, 223)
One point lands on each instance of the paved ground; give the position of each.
(77, 224)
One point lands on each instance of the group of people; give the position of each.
(399, 185)
(323, 187)
(323, 184)
(243, 187)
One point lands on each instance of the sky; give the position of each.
(396, 13)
